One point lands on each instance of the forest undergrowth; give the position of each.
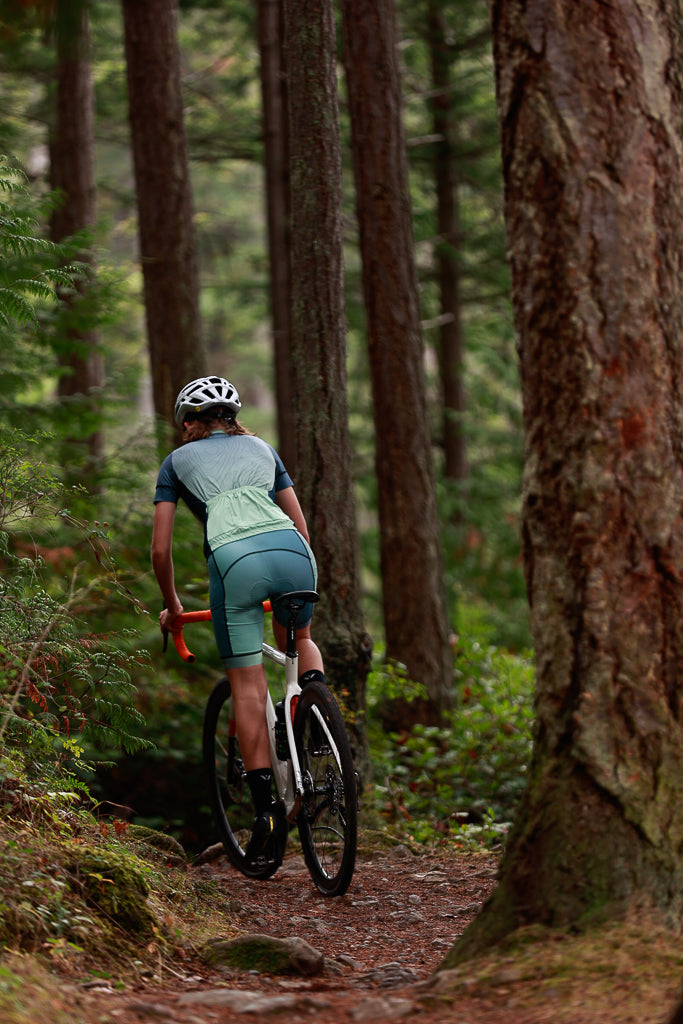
(96, 905)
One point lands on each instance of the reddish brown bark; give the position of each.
(591, 113)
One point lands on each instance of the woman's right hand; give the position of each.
(168, 616)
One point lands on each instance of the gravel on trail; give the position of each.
(379, 942)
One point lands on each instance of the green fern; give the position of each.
(32, 267)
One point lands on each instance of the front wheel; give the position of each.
(231, 803)
(328, 819)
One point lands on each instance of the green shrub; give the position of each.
(62, 687)
(462, 779)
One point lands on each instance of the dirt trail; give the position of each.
(381, 942)
(385, 936)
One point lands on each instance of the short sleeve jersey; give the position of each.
(202, 471)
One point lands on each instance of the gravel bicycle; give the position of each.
(313, 771)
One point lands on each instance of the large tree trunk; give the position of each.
(413, 588)
(276, 153)
(324, 480)
(591, 117)
(167, 241)
(72, 175)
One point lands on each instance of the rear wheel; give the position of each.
(328, 819)
(231, 803)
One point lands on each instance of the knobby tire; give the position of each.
(328, 818)
(231, 803)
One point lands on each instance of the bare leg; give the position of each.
(249, 690)
(249, 696)
(309, 655)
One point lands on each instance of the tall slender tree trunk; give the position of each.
(276, 147)
(413, 587)
(324, 480)
(72, 175)
(451, 347)
(591, 113)
(167, 240)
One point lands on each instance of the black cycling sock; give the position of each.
(260, 783)
(310, 676)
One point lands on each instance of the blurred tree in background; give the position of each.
(168, 253)
(318, 349)
(277, 198)
(71, 143)
(413, 602)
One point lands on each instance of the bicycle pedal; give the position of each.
(263, 862)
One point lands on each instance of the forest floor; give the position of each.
(382, 945)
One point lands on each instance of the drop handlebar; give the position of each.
(203, 615)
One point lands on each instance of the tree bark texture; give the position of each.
(324, 480)
(591, 111)
(413, 587)
(166, 230)
(276, 156)
(72, 175)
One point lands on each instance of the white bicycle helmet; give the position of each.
(203, 393)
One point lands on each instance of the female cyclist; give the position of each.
(256, 547)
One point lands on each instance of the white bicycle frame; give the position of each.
(287, 774)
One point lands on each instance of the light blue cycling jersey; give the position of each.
(253, 549)
(229, 482)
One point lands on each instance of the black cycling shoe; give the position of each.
(268, 838)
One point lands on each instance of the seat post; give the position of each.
(294, 609)
(294, 602)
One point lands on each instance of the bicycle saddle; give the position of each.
(295, 598)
